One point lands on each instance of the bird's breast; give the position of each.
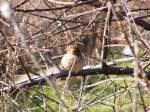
(72, 62)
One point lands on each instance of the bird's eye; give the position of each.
(76, 50)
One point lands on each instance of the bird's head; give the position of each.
(73, 49)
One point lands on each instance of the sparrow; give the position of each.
(73, 60)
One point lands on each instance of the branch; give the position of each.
(142, 23)
(71, 5)
(88, 70)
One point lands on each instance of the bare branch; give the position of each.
(88, 70)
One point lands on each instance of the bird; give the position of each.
(73, 60)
